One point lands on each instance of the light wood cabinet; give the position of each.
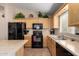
(73, 14)
(56, 49)
(45, 41)
(45, 22)
(30, 21)
(20, 52)
(55, 22)
(53, 48)
(51, 22)
(73, 10)
(51, 44)
(29, 43)
(55, 16)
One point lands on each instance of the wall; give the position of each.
(10, 11)
(2, 24)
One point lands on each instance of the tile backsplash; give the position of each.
(77, 29)
(72, 30)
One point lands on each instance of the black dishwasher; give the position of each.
(60, 51)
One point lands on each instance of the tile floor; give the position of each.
(37, 52)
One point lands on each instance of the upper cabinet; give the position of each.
(30, 21)
(56, 15)
(73, 11)
(55, 22)
(73, 14)
(51, 22)
(45, 22)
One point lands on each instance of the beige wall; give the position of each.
(2, 24)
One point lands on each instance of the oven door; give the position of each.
(37, 39)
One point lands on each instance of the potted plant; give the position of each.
(45, 15)
(40, 14)
(19, 15)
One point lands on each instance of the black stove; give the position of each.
(37, 39)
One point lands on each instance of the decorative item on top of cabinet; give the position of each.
(19, 15)
(42, 15)
(31, 16)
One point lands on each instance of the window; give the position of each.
(64, 22)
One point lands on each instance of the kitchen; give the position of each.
(57, 34)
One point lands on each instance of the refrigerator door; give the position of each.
(20, 33)
(11, 31)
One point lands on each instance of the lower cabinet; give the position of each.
(55, 49)
(60, 51)
(51, 46)
(44, 41)
(20, 52)
(29, 43)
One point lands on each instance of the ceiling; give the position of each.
(49, 8)
(42, 7)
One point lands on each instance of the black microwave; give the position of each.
(37, 26)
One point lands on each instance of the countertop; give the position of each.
(71, 46)
(9, 47)
(71, 36)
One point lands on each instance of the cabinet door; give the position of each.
(20, 52)
(45, 22)
(60, 11)
(30, 21)
(45, 41)
(53, 48)
(51, 23)
(73, 13)
(56, 21)
(49, 44)
(28, 44)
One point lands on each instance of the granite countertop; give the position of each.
(71, 36)
(71, 46)
(10, 47)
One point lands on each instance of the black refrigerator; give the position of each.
(16, 30)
